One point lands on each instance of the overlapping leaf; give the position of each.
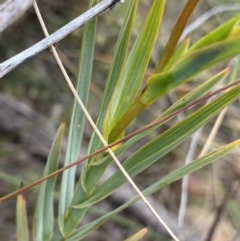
(118, 61)
(96, 172)
(78, 117)
(131, 78)
(83, 231)
(44, 216)
(84, 185)
(161, 145)
(195, 94)
(186, 68)
(218, 34)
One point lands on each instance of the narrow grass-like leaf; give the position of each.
(44, 215)
(22, 225)
(73, 217)
(78, 117)
(72, 220)
(83, 231)
(198, 92)
(117, 65)
(176, 34)
(161, 145)
(193, 95)
(191, 167)
(218, 34)
(130, 81)
(187, 67)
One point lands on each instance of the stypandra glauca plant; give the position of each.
(122, 102)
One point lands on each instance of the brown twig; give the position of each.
(152, 124)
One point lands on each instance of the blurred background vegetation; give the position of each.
(34, 99)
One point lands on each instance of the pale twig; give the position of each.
(98, 9)
(11, 10)
(98, 132)
(213, 133)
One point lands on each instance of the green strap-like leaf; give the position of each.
(218, 34)
(44, 216)
(201, 90)
(117, 65)
(187, 67)
(96, 171)
(73, 217)
(131, 79)
(85, 230)
(161, 145)
(78, 117)
(193, 95)
(22, 225)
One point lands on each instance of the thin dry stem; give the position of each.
(213, 133)
(127, 137)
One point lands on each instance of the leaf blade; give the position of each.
(161, 145)
(44, 215)
(218, 34)
(22, 225)
(199, 163)
(118, 61)
(131, 78)
(78, 118)
(73, 218)
(187, 67)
